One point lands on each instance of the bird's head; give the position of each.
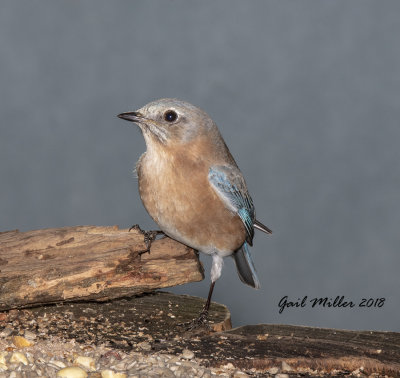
(171, 121)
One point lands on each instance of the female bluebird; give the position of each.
(192, 187)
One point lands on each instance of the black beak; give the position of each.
(131, 116)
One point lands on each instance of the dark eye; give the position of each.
(170, 116)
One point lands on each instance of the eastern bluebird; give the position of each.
(192, 187)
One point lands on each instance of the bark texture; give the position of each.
(88, 263)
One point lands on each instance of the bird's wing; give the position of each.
(229, 184)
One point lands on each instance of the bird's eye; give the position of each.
(170, 116)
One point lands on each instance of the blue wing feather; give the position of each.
(230, 185)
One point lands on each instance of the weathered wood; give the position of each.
(120, 322)
(88, 263)
(328, 351)
(152, 323)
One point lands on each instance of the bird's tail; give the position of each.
(245, 267)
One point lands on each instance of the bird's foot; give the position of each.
(200, 323)
(149, 237)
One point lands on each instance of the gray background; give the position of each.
(306, 94)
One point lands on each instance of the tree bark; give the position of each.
(88, 263)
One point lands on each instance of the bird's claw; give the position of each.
(149, 237)
(201, 322)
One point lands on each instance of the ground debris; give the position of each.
(139, 337)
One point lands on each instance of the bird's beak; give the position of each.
(132, 116)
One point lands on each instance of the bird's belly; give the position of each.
(187, 209)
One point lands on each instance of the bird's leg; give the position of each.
(149, 237)
(207, 305)
(201, 320)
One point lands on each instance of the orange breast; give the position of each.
(174, 188)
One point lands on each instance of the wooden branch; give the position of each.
(90, 263)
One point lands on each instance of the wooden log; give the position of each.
(160, 315)
(304, 349)
(88, 263)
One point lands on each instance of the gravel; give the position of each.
(68, 359)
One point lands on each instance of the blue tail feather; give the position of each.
(245, 267)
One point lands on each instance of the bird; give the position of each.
(193, 189)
